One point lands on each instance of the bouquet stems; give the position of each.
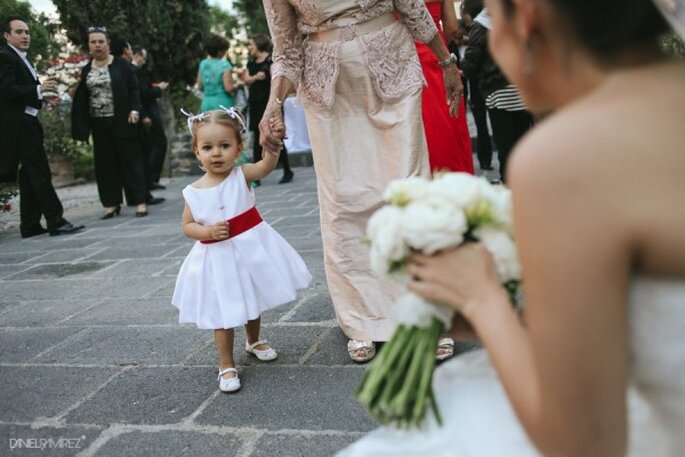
(396, 388)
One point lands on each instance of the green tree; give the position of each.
(173, 31)
(222, 22)
(252, 14)
(43, 48)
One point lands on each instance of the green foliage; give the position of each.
(673, 45)
(173, 31)
(222, 23)
(252, 14)
(183, 98)
(43, 47)
(57, 140)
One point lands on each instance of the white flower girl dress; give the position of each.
(224, 284)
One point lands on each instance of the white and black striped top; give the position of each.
(507, 99)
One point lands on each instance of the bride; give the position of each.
(595, 365)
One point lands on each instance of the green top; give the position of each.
(211, 74)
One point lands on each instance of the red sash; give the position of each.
(240, 223)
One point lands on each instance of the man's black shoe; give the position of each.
(65, 229)
(286, 178)
(157, 186)
(33, 232)
(155, 200)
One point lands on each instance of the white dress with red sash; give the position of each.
(227, 283)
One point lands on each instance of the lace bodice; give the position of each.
(314, 64)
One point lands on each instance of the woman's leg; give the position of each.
(106, 164)
(132, 171)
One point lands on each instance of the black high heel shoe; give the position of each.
(111, 214)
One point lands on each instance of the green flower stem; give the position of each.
(378, 369)
(425, 391)
(395, 382)
(396, 388)
(400, 403)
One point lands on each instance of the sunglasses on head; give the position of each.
(97, 29)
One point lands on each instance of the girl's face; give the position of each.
(98, 45)
(217, 148)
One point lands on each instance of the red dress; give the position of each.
(448, 138)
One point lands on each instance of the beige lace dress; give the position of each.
(360, 81)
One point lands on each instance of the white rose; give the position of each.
(432, 224)
(412, 310)
(387, 238)
(503, 250)
(500, 199)
(401, 192)
(461, 189)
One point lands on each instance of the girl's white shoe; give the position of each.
(265, 355)
(228, 384)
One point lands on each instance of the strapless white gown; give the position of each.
(479, 421)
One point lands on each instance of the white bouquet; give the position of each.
(428, 216)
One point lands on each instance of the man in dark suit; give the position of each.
(122, 48)
(21, 135)
(153, 132)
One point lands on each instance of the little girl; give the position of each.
(239, 267)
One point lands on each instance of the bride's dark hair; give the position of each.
(608, 28)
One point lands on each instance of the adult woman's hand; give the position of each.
(271, 141)
(464, 278)
(453, 87)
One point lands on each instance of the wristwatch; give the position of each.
(452, 59)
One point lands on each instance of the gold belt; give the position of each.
(348, 32)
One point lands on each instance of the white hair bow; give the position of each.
(192, 118)
(237, 115)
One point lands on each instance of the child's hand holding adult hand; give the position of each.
(219, 231)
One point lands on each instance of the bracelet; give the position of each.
(279, 102)
(452, 59)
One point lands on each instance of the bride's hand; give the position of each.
(463, 279)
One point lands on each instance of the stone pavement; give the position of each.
(92, 356)
(94, 363)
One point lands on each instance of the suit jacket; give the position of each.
(125, 95)
(148, 94)
(17, 91)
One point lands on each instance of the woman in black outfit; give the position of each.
(258, 77)
(107, 103)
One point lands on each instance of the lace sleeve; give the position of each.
(415, 16)
(287, 53)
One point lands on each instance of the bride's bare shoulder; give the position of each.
(634, 117)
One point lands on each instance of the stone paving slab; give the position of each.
(21, 345)
(142, 396)
(271, 445)
(32, 393)
(172, 443)
(291, 398)
(44, 313)
(123, 312)
(127, 345)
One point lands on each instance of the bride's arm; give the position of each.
(575, 250)
(564, 366)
